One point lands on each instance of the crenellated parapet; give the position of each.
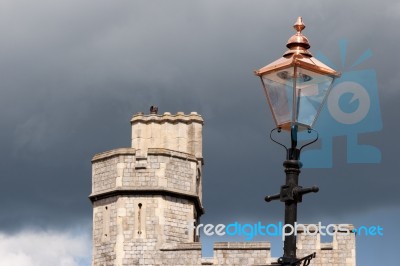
(341, 251)
(180, 132)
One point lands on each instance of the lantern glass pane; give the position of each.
(280, 97)
(296, 95)
(310, 95)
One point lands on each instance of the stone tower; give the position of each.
(144, 196)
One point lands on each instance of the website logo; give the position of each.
(249, 231)
(352, 108)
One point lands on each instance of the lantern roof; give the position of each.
(298, 55)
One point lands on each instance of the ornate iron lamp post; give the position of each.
(296, 86)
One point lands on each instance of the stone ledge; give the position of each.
(150, 151)
(148, 191)
(112, 153)
(326, 246)
(143, 188)
(172, 153)
(181, 246)
(207, 261)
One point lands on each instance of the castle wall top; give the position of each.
(177, 132)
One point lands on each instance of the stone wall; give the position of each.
(180, 254)
(341, 251)
(127, 229)
(160, 169)
(242, 253)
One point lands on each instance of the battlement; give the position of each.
(341, 251)
(177, 132)
(225, 253)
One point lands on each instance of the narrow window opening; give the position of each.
(106, 224)
(198, 181)
(140, 219)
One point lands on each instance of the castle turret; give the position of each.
(144, 196)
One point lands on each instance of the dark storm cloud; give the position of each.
(72, 73)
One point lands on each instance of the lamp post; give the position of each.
(296, 87)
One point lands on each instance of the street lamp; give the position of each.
(296, 86)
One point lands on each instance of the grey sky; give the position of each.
(74, 72)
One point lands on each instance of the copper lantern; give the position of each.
(297, 84)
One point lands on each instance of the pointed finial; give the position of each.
(299, 25)
(298, 43)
